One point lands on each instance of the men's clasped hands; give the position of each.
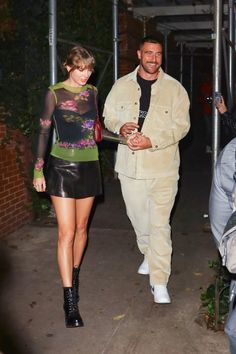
(135, 140)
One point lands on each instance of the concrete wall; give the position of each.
(15, 160)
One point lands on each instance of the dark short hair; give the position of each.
(150, 39)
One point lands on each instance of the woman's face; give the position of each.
(79, 77)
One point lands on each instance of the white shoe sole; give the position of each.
(143, 271)
(143, 268)
(163, 299)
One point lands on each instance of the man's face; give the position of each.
(150, 56)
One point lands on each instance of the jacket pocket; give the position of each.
(163, 116)
(125, 111)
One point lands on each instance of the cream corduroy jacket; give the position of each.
(166, 123)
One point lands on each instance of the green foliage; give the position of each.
(216, 297)
(25, 69)
(88, 22)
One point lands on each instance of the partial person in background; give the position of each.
(228, 118)
(151, 110)
(72, 177)
(220, 209)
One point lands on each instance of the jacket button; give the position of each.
(132, 152)
(134, 118)
(136, 103)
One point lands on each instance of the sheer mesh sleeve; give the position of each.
(45, 124)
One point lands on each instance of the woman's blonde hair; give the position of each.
(80, 58)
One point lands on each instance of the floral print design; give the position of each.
(45, 122)
(39, 164)
(71, 118)
(82, 144)
(82, 96)
(86, 125)
(72, 105)
(69, 105)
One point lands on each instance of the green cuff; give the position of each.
(38, 173)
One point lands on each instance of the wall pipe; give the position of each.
(181, 62)
(217, 48)
(231, 28)
(52, 41)
(115, 39)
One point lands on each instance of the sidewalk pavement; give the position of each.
(116, 303)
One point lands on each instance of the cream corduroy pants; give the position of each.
(148, 205)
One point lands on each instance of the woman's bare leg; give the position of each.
(65, 209)
(83, 209)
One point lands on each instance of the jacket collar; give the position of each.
(133, 76)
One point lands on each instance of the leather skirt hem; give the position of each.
(77, 180)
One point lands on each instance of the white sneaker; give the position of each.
(144, 267)
(161, 295)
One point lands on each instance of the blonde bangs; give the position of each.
(83, 64)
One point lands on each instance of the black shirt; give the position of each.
(145, 97)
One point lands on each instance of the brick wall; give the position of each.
(15, 159)
(131, 31)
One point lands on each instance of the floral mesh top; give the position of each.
(72, 111)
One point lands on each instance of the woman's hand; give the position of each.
(221, 106)
(39, 184)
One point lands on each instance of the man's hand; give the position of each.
(128, 128)
(138, 141)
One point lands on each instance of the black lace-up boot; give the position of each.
(75, 282)
(72, 315)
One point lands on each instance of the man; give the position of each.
(220, 209)
(150, 109)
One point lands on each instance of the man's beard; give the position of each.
(152, 70)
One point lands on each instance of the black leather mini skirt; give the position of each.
(68, 179)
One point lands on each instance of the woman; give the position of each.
(72, 176)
